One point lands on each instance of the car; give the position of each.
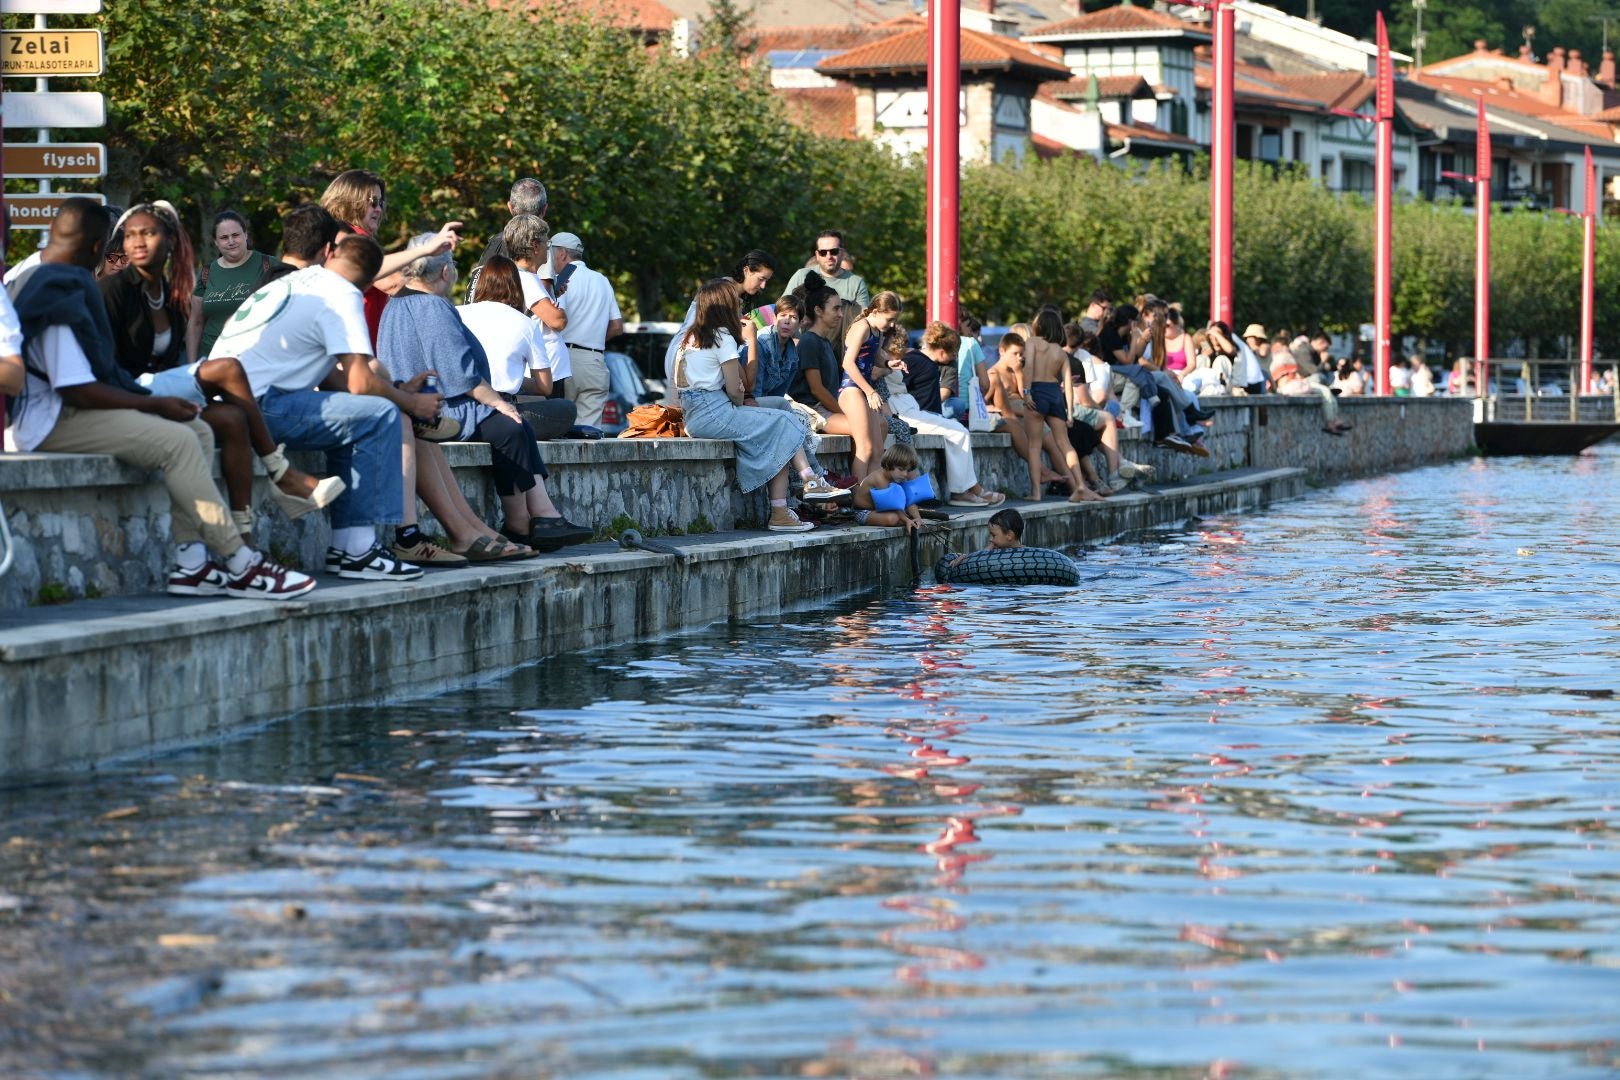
(626, 390)
(645, 344)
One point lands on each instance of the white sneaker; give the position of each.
(377, 565)
(817, 487)
(1130, 470)
(1132, 422)
(208, 580)
(785, 520)
(265, 580)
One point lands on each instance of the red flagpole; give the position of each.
(1588, 275)
(1383, 257)
(1223, 142)
(1482, 254)
(944, 157)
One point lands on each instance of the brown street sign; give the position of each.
(36, 211)
(47, 161)
(47, 53)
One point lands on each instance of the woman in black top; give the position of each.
(147, 304)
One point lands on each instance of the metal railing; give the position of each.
(1506, 389)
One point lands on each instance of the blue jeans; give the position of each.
(361, 438)
(955, 408)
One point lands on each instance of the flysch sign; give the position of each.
(36, 211)
(49, 161)
(49, 53)
(53, 110)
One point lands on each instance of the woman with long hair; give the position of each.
(751, 274)
(148, 302)
(858, 396)
(708, 375)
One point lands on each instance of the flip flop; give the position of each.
(964, 499)
(993, 498)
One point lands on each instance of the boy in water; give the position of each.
(1006, 533)
(898, 466)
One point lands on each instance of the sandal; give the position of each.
(963, 498)
(483, 549)
(993, 498)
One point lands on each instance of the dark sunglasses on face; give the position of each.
(116, 258)
(828, 251)
(376, 202)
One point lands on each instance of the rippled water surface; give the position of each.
(1324, 791)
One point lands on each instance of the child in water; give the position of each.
(889, 496)
(1006, 533)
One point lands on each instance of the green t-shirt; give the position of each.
(223, 292)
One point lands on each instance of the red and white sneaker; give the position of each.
(265, 580)
(208, 580)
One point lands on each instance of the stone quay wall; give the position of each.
(86, 525)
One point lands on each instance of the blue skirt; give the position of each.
(766, 439)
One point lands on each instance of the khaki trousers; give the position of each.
(183, 452)
(588, 385)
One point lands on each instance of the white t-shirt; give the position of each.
(1098, 377)
(34, 414)
(556, 350)
(702, 366)
(289, 334)
(11, 337)
(510, 339)
(1203, 381)
(16, 272)
(590, 305)
(1247, 371)
(1400, 376)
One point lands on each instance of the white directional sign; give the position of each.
(49, 7)
(51, 110)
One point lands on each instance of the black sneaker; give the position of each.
(549, 534)
(334, 560)
(377, 565)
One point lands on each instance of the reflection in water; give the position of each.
(1328, 791)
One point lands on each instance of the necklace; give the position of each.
(162, 297)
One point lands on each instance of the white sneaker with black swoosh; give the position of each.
(377, 565)
(265, 580)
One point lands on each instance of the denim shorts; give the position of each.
(180, 382)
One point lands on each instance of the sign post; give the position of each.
(43, 54)
(1223, 145)
(1588, 276)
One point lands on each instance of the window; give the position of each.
(1358, 176)
(1178, 117)
(1299, 146)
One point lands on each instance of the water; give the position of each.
(1325, 792)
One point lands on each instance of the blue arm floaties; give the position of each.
(900, 495)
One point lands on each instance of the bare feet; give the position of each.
(1085, 494)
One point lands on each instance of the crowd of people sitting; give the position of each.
(113, 340)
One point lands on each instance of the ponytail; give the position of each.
(887, 303)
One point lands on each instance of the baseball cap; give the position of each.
(1254, 329)
(568, 242)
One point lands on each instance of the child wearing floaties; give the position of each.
(889, 496)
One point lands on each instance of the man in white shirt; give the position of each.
(289, 337)
(64, 409)
(593, 318)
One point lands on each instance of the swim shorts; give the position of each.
(1048, 398)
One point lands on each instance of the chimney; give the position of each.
(1479, 44)
(1524, 53)
(1552, 90)
(1605, 75)
(987, 6)
(1577, 66)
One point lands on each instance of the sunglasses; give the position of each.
(376, 202)
(828, 251)
(116, 258)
